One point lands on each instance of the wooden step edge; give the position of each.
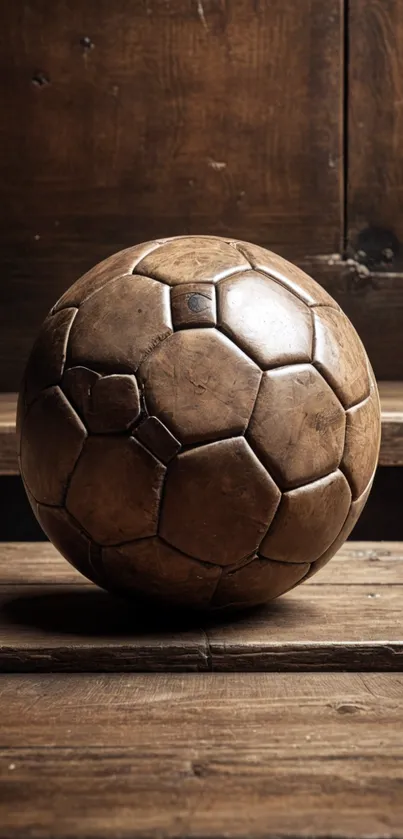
(392, 428)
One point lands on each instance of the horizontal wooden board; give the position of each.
(8, 444)
(347, 617)
(392, 423)
(207, 755)
(392, 428)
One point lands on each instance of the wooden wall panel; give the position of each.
(128, 120)
(375, 160)
(374, 206)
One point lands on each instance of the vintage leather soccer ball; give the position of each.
(199, 423)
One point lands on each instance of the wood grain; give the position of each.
(392, 428)
(392, 423)
(375, 169)
(8, 442)
(347, 617)
(137, 132)
(370, 285)
(209, 755)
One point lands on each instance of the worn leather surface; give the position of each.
(200, 385)
(198, 423)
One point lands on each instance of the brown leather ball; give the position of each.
(199, 423)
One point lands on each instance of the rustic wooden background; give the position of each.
(278, 122)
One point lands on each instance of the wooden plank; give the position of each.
(392, 428)
(137, 132)
(375, 136)
(392, 423)
(8, 453)
(347, 617)
(206, 756)
(371, 289)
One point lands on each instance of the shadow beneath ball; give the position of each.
(92, 612)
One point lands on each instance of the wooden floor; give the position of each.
(285, 723)
(392, 428)
(208, 755)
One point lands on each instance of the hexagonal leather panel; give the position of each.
(351, 520)
(308, 520)
(297, 426)
(265, 319)
(218, 502)
(52, 439)
(46, 362)
(123, 262)
(200, 385)
(120, 324)
(107, 404)
(340, 356)
(257, 582)
(153, 568)
(193, 304)
(362, 444)
(115, 490)
(192, 259)
(287, 274)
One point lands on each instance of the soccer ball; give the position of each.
(198, 423)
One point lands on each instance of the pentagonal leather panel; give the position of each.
(363, 439)
(218, 502)
(340, 356)
(308, 520)
(200, 385)
(156, 437)
(123, 262)
(115, 490)
(297, 426)
(107, 403)
(192, 259)
(257, 582)
(46, 362)
(286, 273)
(193, 304)
(67, 538)
(155, 569)
(52, 439)
(115, 328)
(265, 319)
(350, 522)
